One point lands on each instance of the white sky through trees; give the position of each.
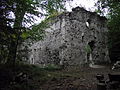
(87, 4)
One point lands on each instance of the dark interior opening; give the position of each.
(92, 45)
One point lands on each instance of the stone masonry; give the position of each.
(73, 38)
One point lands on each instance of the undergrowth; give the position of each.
(26, 77)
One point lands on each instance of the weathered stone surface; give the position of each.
(69, 38)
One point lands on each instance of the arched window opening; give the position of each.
(88, 23)
(91, 46)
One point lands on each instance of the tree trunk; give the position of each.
(14, 41)
(12, 53)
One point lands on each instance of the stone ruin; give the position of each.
(73, 38)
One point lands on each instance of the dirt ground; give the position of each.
(76, 78)
(36, 78)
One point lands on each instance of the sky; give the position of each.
(88, 4)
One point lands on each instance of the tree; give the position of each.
(24, 12)
(5, 30)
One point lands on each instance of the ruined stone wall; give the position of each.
(73, 38)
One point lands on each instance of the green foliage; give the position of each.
(51, 16)
(24, 35)
(88, 49)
